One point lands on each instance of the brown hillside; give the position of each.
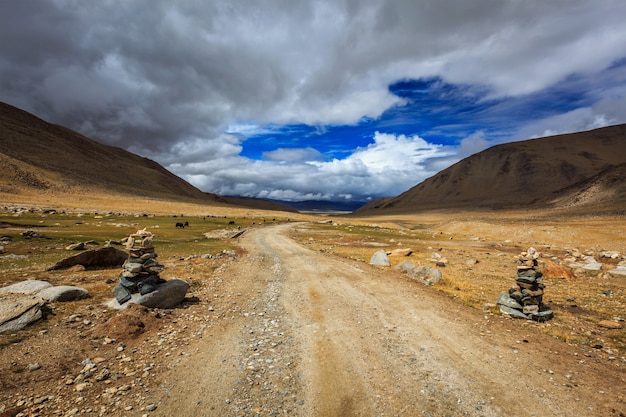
(43, 157)
(605, 191)
(578, 169)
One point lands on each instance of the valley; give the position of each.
(299, 323)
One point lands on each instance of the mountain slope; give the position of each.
(36, 156)
(605, 191)
(541, 172)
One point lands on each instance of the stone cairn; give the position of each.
(141, 270)
(525, 299)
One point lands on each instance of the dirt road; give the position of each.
(301, 333)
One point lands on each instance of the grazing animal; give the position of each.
(186, 224)
(181, 225)
(231, 222)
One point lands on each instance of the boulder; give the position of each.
(92, 259)
(28, 287)
(400, 252)
(167, 295)
(620, 270)
(542, 316)
(593, 266)
(63, 293)
(406, 267)
(380, 258)
(506, 300)
(76, 246)
(426, 275)
(18, 311)
(513, 312)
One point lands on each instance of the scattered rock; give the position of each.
(380, 258)
(513, 312)
(166, 295)
(29, 234)
(506, 300)
(23, 303)
(589, 264)
(620, 270)
(95, 258)
(610, 254)
(405, 266)
(34, 367)
(400, 252)
(424, 274)
(63, 293)
(76, 246)
(609, 324)
(76, 268)
(28, 287)
(593, 266)
(81, 386)
(18, 311)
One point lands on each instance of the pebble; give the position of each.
(81, 386)
(34, 367)
(608, 324)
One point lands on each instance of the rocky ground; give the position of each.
(285, 330)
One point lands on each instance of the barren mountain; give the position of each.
(579, 170)
(40, 156)
(605, 191)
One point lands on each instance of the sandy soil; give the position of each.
(302, 333)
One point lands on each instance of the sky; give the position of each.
(339, 100)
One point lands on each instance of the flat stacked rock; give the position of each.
(141, 270)
(525, 299)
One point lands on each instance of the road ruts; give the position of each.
(308, 334)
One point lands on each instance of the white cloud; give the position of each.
(328, 62)
(167, 80)
(388, 166)
(606, 112)
(472, 144)
(293, 155)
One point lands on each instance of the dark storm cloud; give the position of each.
(167, 79)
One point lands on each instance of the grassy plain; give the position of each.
(478, 249)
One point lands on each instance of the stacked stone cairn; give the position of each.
(141, 270)
(525, 299)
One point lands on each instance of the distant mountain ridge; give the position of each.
(39, 155)
(584, 169)
(312, 206)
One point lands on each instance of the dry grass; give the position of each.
(178, 249)
(480, 253)
(479, 250)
